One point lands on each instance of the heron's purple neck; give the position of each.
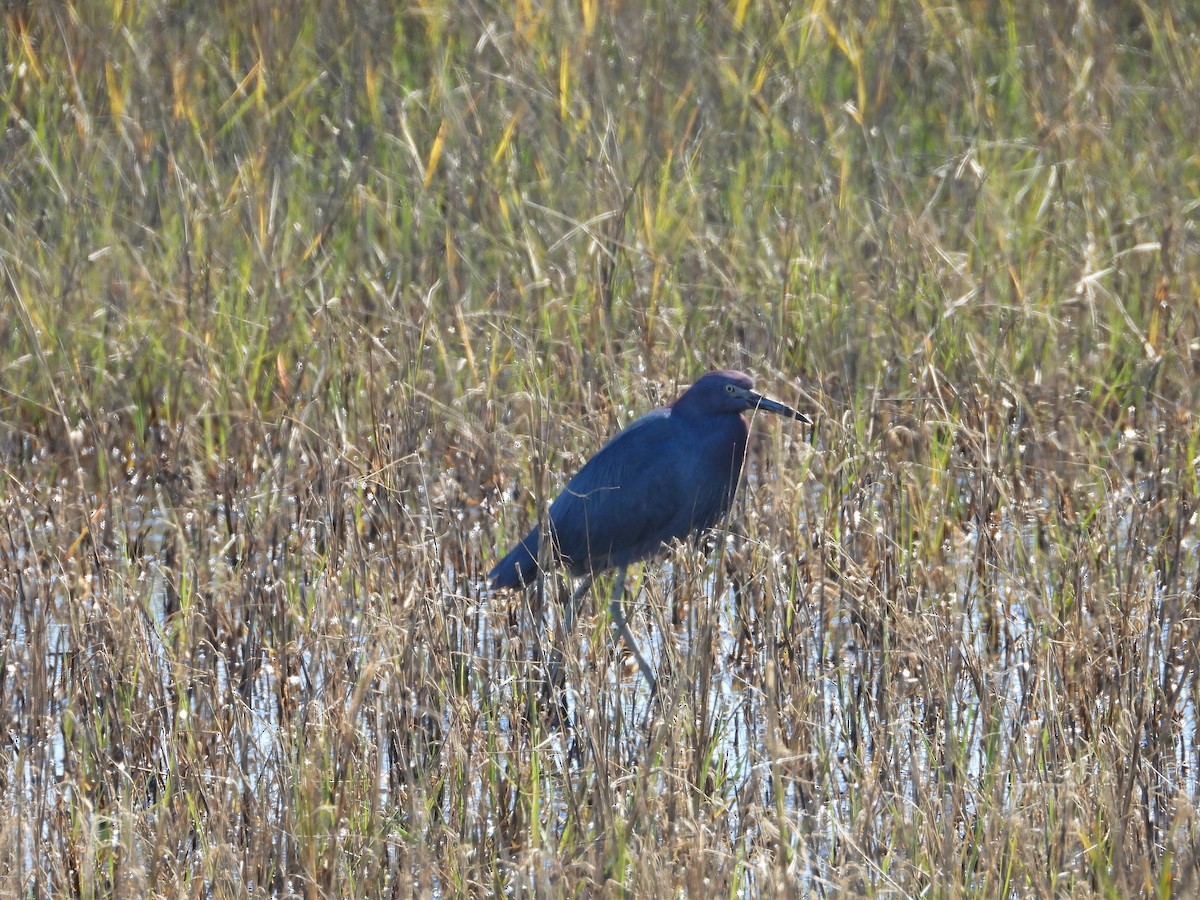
(731, 429)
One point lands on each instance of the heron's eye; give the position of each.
(729, 388)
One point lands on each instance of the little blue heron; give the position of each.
(669, 475)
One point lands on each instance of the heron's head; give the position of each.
(725, 392)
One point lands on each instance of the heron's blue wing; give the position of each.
(629, 499)
(520, 565)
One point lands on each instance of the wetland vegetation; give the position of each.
(308, 308)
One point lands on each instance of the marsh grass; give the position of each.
(310, 308)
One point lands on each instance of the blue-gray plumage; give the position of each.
(671, 474)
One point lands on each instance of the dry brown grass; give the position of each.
(311, 309)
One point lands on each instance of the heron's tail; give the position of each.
(519, 568)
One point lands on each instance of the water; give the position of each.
(805, 711)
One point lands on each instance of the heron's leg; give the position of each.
(570, 612)
(572, 609)
(617, 610)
